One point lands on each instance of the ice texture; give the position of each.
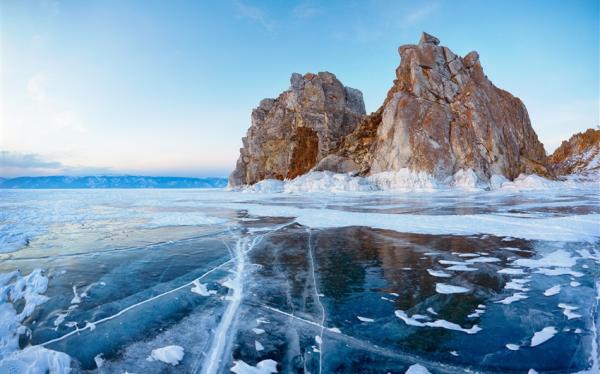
(343, 281)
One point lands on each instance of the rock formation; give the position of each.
(290, 134)
(442, 115)
(579, 155)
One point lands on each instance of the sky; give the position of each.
(167, 87)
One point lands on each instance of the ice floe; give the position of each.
(568, 310)
(543, 335)
(554, 290)
(449, 289)
(514, 297)
(438, 273)
(258, 346)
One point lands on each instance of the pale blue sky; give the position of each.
(167, 87)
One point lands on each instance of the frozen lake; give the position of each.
(313, 283)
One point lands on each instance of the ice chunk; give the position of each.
(558, 258)
(460, 268)
(543, 336)
(334, 329)
(513, 347)
(263, 367)
(417, 369)
(449, 289)
(99, 360)
(430, 310)
(483, 260)
(201, 289)
(517, 284)
(554, 290)
(36, 359)
(574, 284)
(511, 271)
(258, 346)
(365, 319)
(258, 331)
(568, 310)
(511, 299)
(171, 354)
(438, 273)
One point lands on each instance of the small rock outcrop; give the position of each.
(443, 115)
(291, 134)
(579, 155)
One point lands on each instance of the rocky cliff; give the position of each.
(443, 115)
(289, 135)
(579, 155)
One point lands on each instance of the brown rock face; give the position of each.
(443, 115)
(290, 134)
(578, 155)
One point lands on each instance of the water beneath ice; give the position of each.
(205, 281)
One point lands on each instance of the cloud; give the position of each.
(36, 87)
(419, 14)
(16, 164)
(56, 113)
(26, 161)
(306, 10)
(253, 14)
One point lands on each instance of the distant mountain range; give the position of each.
(126, 181)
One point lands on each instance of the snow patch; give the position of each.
(263, 367)
(449, 289)
(171, 354)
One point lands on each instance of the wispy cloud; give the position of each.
(418, 14)
(253, 14)
(306, 10)
(57, 114)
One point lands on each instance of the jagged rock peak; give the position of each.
(293, 132)
(441, 115)
(578, 155)
(428, 38)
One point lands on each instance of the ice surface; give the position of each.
(300, 269)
